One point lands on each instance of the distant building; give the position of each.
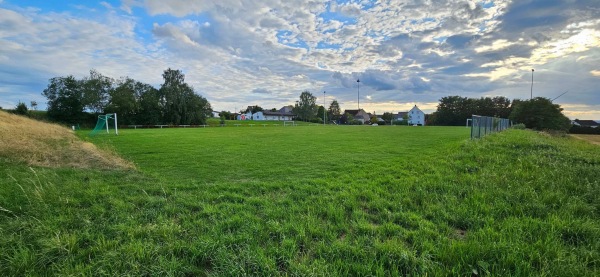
(401, 116)
(244, 116)
(284, 114)
(416, 116)
(287, 109)
(360, 115)
(585, 123)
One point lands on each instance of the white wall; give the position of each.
(258, 116)
(416, 116)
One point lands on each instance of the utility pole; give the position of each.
(531, 96)
(358, 91)
(324, 110)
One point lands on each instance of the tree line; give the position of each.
(72, 100)
(537, 113)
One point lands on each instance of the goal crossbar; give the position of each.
(104, 123)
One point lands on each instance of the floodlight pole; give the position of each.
(531, 96)
(324, 108)
(358, 91)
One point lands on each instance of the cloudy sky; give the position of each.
(238, 52)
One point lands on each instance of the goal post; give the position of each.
(289, 123)
(104, 122)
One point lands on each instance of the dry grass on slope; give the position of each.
(43, 144)
(595, 139)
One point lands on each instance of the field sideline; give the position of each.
(310, 200)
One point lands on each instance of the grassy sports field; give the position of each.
(310, 200)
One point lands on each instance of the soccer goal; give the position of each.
(289, 123)
(104, 123)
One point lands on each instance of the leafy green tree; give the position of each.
(21, 109)
(253, 109)
(502, 106)
(124, 102)
(65, 99)
(180, 104)
(334, 111)
(453, 110)
(151, 112)
(541, 114)
(34, 105)
(346, 118)
(222, 120)
(228, 115)
(320, 112)
(199, 110)
(306, 108)
(387, 117)
(481, 106)
(96, 91)
(373, 119)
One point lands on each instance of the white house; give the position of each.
(258, 116)
(245, 116)
(416, 116)
(360, 115)
(284, 114)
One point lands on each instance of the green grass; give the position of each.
(335, 200)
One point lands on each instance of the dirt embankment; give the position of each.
(43, 144)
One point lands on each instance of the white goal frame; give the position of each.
(107, 118)
(287, 123)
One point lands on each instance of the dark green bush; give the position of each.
(584, 130)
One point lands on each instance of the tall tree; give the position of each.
(179, 102)
(320, 112)
(151, 112)
(65, 99)
(96, 91)
(453, 110)
(387, 117)
(334, 110)
(306, 108)
(199, 110)
(502, 106)
(123, 101)
(253, 109)
(540, 113)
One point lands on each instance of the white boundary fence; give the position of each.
(483, 125)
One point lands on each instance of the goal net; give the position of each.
(105, 123)
(289, 123)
